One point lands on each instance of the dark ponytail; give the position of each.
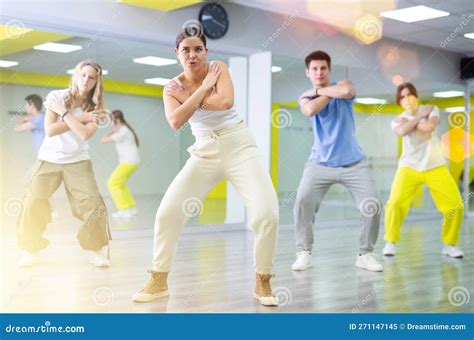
(119, 115)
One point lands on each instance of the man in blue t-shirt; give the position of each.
(33, 121)
(336, 157)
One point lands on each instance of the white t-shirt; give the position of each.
(126, 147)
(67, 147)
(420, 153)
(204, 121)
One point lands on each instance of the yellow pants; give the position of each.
(116, 184)
(445, 194)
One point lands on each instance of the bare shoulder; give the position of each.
(180, 77)
(219, 63)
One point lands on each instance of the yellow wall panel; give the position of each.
(162, 5)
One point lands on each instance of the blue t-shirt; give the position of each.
(334, 142)
(38, 132)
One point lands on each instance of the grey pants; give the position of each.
(317, 179)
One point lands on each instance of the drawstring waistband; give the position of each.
(215, 134)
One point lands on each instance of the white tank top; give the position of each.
(125, 145)
(204, 121)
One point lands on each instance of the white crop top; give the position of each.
(204, 121)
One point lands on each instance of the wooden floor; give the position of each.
(213, 272)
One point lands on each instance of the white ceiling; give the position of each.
(116, 55)
(427, 33)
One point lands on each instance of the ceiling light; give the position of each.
(155, 61)
(6, 63)
(55, 47)
(455, 109)
(413, 14)
(370, 101)
(448, 94)
(157, 81)
(469, 35)
(276, 69)
(71, 71)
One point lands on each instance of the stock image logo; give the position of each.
(370, 207)
(281, 118)
(192, 28)
(192, 207)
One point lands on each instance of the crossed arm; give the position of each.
(420, 123)
(180, 105)
(24, 125)
(312, 106)
(54, 127)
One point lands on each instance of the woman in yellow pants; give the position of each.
(126, 142)
(421, 162)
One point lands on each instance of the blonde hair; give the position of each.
(94, 99)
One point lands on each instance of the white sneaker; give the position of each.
(117, 215)
(368, 261)
(27, 259)
(125, 214)
(390, 249)
(304, 261)
(452, 251)
(129, 213)
(99, 260)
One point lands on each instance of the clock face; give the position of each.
(214, 20)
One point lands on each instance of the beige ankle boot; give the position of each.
(263, 290)
(156, 287)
